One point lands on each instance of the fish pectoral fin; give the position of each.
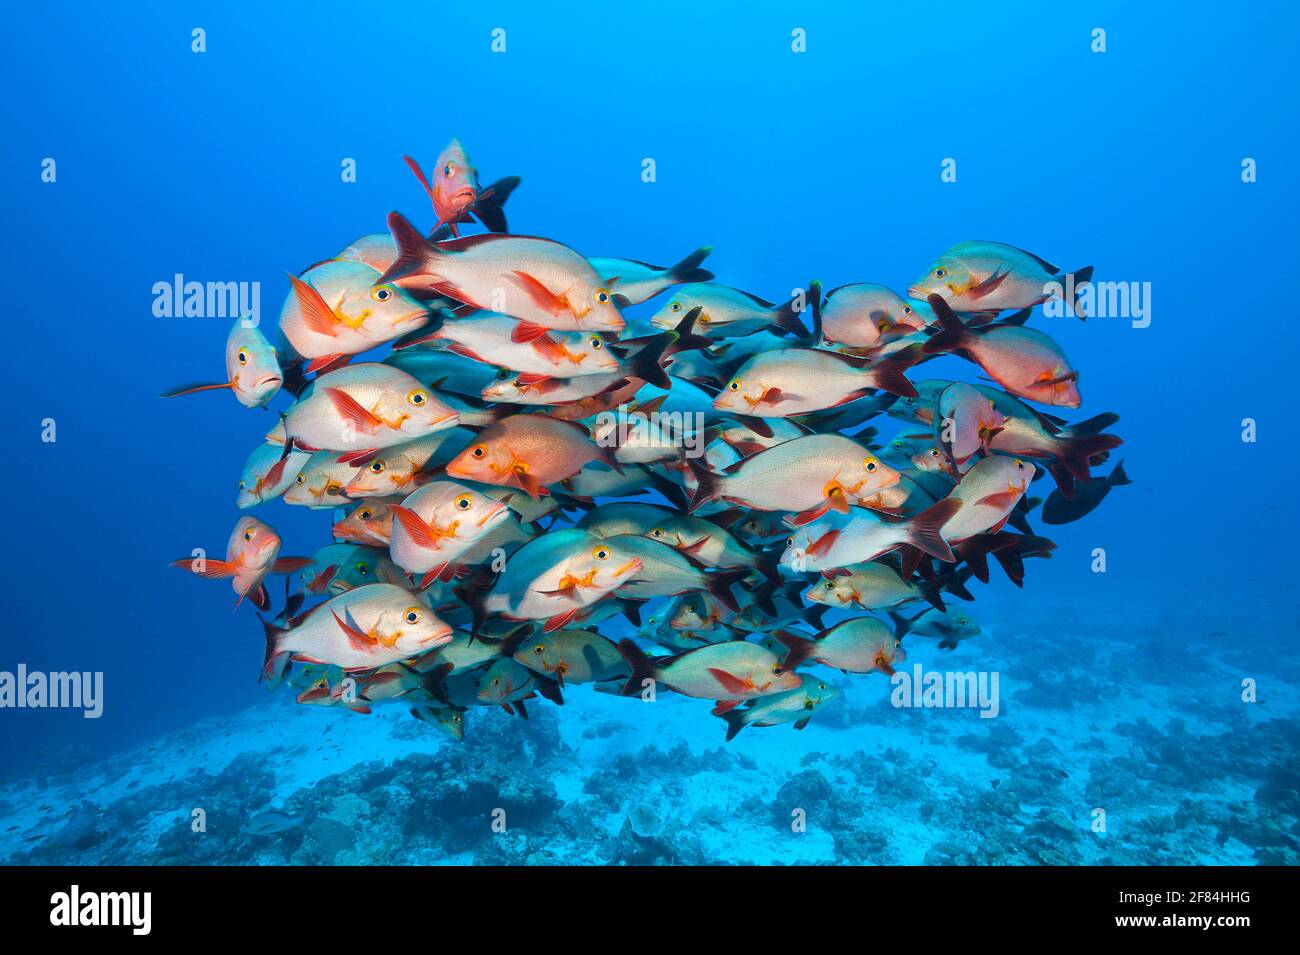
(1000, 498)
(287, 565)
(559, 620)
(823, 544)
(774, 396)
(352, 410)
(420, 532)
(316, 313)
(980, 289)
(810, 515)
(541, 296)
(211, 569)
(529, 483)
(729, 682)
(324, 363)
(800, 724)
(525, 332)
(359, 640)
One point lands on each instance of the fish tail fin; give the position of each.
(490, 204)
(1118, 478)
(719, 584)
(1077, 451)
(786, 316)
(735, 720)
(952, 334)
(768, 563)
(412, 250)
(1081, 277)
(707, 484)
(815, 298)
(1094, 425)
(955, 584)
(435, 682)
(270, 669)
(924, 529)
(903, 625)
(931, 590)
(641, 665)
(888, 373)
(647, 364)
(688, 269)
(797, 648)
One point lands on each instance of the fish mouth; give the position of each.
(268, 380)
(452, 416)
(493, 514)
(410, 317)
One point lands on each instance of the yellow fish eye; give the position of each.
(413, 615)
(478, 451)
(241, 485)
(299, 479)
(734, 384)
(907, 310)
(377, 466)
(447, 169)
(248, 535)
(940, 273)
(243, 357)
(600, 553)
(381, 294)
(597, 343)
(776, 668)
(539, 649)
(364, 515)
(417, 397)
(464, 501)
(602, 295)
(657, 532)
(1020, 465)
(934, 452)
(869, 464)
(675, 306)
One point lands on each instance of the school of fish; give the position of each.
(512, 454)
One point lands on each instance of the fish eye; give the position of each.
(830, 585)
(1020, 465)
(963, 621)
(456, 718)
(446, 170)
(497, 681)
(243, 357)
(364, 515)
(248, 535)
(657, 532)
(539, 649)
(776, 668)
(241, 485)
(417, 397)
(463, 502)
(909, 401)
(907, 310)
(789, 542)
(377, 466)
(735, 384)
(821, 686)
(478, 451)
(676, 306)
(652, 621)
(413, 615)
(381, 294)
(363, 569)
(503, 374)
(602, 296)
(299, 479)
(940, 273)
(934, 452)
(870, 465)
(600, 553)
(597, 343)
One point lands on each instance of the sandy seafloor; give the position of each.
(1142, 719)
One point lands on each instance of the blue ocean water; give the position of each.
(1122, 690)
